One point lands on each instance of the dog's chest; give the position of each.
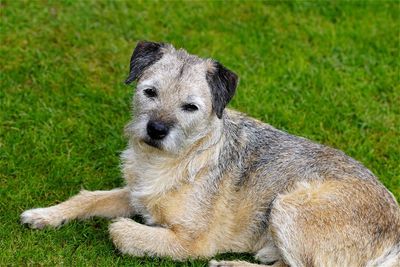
(157, 189)
(162, 209)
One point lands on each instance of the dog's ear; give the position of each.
(144, 55)
(223, 84)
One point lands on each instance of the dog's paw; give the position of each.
(122, 233)
(269, 254)
(214, 263)
(120, 226)
(41, 217)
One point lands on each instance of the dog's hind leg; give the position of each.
(110, 204)
(334, 223)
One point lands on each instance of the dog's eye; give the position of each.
(189, 107)
(150, 92)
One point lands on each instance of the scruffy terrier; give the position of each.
(209, 180)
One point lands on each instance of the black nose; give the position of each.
(157, 130)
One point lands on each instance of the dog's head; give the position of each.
(179, 99)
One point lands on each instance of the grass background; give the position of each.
(328, 71)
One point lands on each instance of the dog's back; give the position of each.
(321, 207)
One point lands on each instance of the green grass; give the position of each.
(328, 71)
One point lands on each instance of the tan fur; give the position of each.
(233, 184)
(109, 204)
(319, 216)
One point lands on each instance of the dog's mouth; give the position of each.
(152, 143)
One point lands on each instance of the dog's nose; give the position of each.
(157, 130)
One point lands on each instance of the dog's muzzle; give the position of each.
(157, 130)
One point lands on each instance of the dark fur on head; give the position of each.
(144, 55)
(221, 80)
(223, 84)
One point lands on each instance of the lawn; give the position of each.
(328, 71)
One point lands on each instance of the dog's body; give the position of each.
(208, 181)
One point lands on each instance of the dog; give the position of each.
(209, 180)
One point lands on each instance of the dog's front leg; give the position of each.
(110, 204)
(137, 239)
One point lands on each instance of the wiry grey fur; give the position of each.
(220, 181)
